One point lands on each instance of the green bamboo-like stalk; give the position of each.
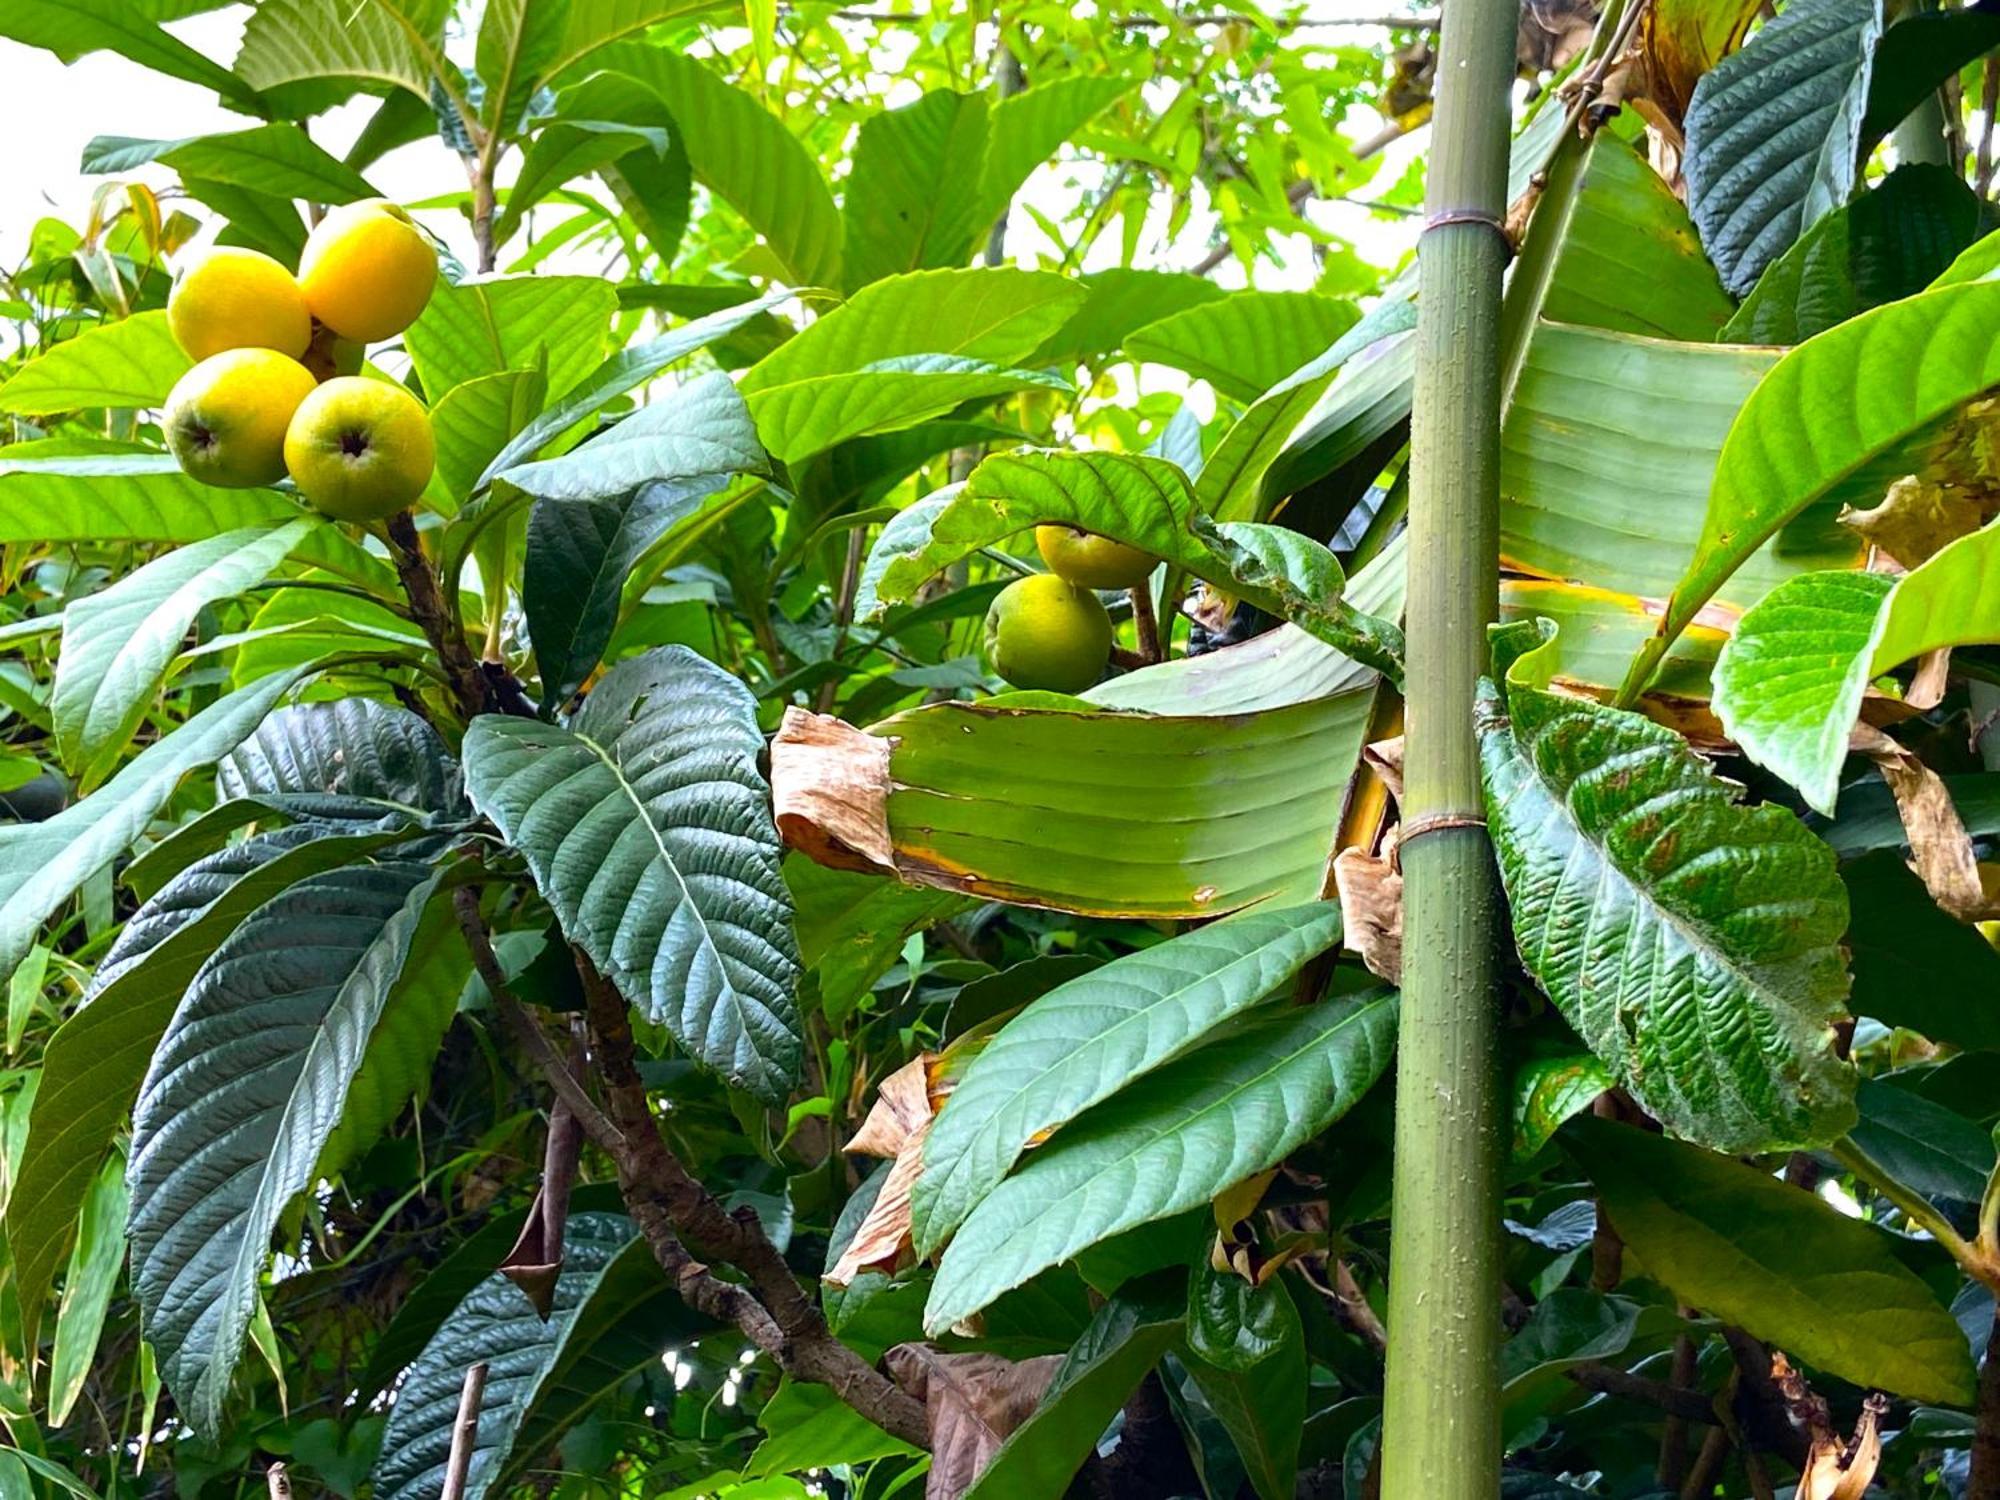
(1441, 1420)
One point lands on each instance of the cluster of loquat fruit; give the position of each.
(276, 388)
(1049, 631)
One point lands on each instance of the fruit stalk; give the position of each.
(1441, 1432)
(427, 604)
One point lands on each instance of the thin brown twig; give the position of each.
(1989, 105)
(533, 1040)
(1298, 192)
(1146, 622)
(1673, 1433)
(1707, 1465)
(1679, 1403)
(464, 1433)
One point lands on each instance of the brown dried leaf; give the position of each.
(972, 1403)
(1371, 910)
(830, 792)
(1835, 1468)
(1915, 518)
(883, 1239)
(1683, 39)
(1385, 759)
(895, 1127)
(1941, 848)
(902, 1104)
(536, 1260)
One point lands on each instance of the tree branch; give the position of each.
(1679, 1403)
(676, 1212)
(1984, 1483)
(464, 1433)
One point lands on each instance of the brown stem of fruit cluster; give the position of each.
(433, 615)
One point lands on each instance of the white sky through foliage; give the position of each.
(49, 112)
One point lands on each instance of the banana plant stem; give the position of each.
(1441, 1418)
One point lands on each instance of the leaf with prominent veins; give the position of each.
(1090, 1037)
(648, 828)
(243, 1091)
(1693, 942)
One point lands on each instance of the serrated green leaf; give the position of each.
(132, 362)
(1144, 502)
(1547, 1089)
(695, 437)
(512, 323)
(256, 220)
(93, 1065)
(247, 1082)
(1087, 1039)
(594, 24)
(1232, 485)
(1789, 682)
(1835, 420)
(1918, 55)
(564, 150)
(622, 372)
(399, 42)
(1889, 243)
(1167, 1143)
(613, 1312)
(353, 748)
(1351, 429)
(648, 827)
(1929, 1148)
(279, 160)
(901, 350)
(1743, 1246)
(403, 1047)
(143, 497)
(1026, 129)
(912, 197)
(1118, 301)
(1692, 942)
(1249, 341)
(1774, 133)
(475, 421)
(118, 644)
(518, 41)
(43, 864)
(745, 155)
(580, 553)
